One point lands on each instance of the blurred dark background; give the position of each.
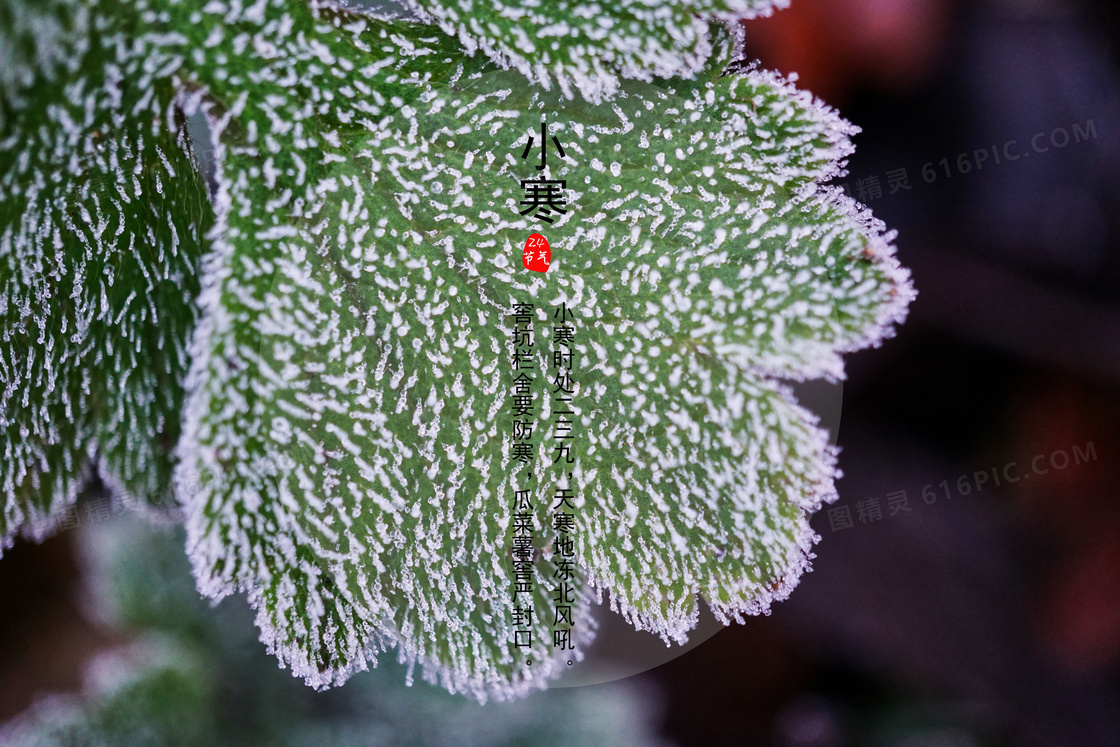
(988, 614)
(966, 589)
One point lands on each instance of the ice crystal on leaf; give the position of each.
(345, 453)
(585, 48)
(101, 222)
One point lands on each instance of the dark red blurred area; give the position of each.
(836, 45)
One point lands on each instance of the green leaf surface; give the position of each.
(102, 215)
(584, 49)
(348, 421)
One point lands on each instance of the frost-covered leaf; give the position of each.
(584, 48)
(348, 421)
(101, 219)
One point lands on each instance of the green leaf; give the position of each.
(102, 215)
(585, 49)
(347, 424)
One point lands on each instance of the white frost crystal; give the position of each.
(101, 223)
(346, 458)
(584, 48)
